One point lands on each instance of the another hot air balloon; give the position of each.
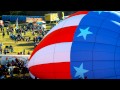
(86, 45)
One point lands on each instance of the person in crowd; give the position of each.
(5, 51)
(33, 33)
(11, 48)
(29, 38)
(18, 53)
(24, 32)
(10, 70)
(24, 52)
(28, 52)
(18, 67)
(7, 32)
(0, 50)
(3, 29)
(3, 34)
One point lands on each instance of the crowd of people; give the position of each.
(16, 69)
(19, 35)
(7, 49)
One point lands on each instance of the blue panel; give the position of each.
(115, 77)
(101, 14)
(104, 37)
(103, 65)
(95, 45)
(109, 24)
(103, 56)
(104, 73)
(103, 48)
(82, 46)
(118, 77)
(117, 49)
(89, 75)
(81, 56)
(110, 34)
(114, 16)
(117, 71)
(92, 18)
(117, 56)
(118, 42)
(117, 53)
(117, 64)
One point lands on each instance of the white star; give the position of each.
(80, 71)
(84, 32)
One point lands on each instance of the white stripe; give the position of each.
(31, 75)
(116, 22)
(54, 53)
(62, 52)
(72, 21)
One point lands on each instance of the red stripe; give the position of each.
(52, 71)
(65, 34)
(77, 13)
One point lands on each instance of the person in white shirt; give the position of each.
(10, 70)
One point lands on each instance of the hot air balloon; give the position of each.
(85, 45)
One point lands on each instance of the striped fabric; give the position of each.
(71, 49)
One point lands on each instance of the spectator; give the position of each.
(7, 32)
(13, 63)
(3, 34)
(18, 53)
(29, 38)
(28, 53)
(10, 70)
(24, 52)
(33, 33)
(15, 67)
(11, 48)
(0, 50)
(24, 32)
(3, 30)
(5, 51)
(34, 39)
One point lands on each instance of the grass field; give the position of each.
(20, 45)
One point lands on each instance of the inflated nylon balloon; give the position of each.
(86, 45)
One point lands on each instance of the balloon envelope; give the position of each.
(86, 45)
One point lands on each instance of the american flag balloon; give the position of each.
(85, 45)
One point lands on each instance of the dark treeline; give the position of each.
(39, 13)
(34, 13)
